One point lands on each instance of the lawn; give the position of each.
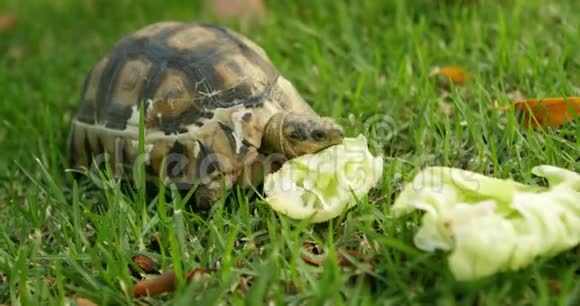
(365, 63)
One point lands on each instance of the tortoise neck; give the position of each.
(274, 140)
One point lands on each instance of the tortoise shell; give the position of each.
(207, 94)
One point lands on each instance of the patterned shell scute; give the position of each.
(187, 69)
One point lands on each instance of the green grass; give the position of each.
(350, 61)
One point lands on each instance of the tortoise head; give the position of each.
(298, 134)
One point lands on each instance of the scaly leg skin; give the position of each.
(252, 174)
(255, 172)
(212, 187)
(209, 193)
(205, 197)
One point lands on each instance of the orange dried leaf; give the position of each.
(315, 260)
(156, 285)
(552, 112)
(81, 301)
(165, 282)
(145, 263)
(7, 22)
(455, 73)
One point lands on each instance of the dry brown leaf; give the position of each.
(549, 112)
(455, 73)
(7, 21)
(165, 282)
(156, 285)
(315, 260)
(81, 301)
(145, 263)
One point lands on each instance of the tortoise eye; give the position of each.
(318, 135)
(298, 134)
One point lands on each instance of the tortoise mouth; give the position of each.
(291, 149)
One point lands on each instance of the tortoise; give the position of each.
(214, 107)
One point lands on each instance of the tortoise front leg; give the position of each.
(232, 172)
(251, 174)
(209, 193)
(255, 172)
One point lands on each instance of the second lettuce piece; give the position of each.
(491, 225)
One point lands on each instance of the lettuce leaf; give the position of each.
(321, 186)
(492, 225)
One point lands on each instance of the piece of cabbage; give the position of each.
(321, 186)
(492, 225)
